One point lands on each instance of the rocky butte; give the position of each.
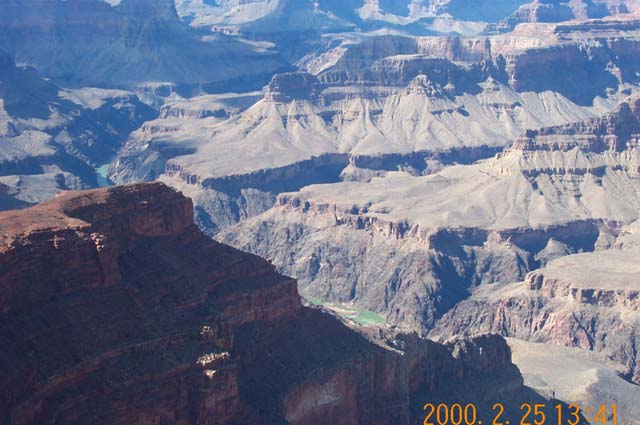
(116, 309)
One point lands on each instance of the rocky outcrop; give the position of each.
(389, 103)
(588, 301)
(560, 10)
(292, 86)
(596, 55)
(595, 74)
(407, 272)
(115, 308)
(215, 107)
(224, 201)
(410, 247)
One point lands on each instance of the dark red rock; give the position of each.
(116, 309)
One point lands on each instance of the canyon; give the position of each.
(385, 103)
(432, 238)
(136, 42)
(104, 312)
(414, 17)
(452, 185)
(53, 138)
(586, 300)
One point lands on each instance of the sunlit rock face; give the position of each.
(586, 300)
(411, 247)
(560, 10)
(270, 19)
(385, 103)
(444, 168)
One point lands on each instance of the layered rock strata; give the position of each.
(410, 247)
(559, 10)
(86, 42)
(115, 308)
(52, 139)
(586, 300)
(388, 103)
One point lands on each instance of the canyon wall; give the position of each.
(588, 300)
(115, 308)
(386, 103)
(53, 138)
(410, 247)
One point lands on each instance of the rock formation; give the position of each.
(574, 374)
(587, 300)
(270, 19)
(52, 139)
(421, 173)
(560, 10)
(386, 103)
(89, 42)
(108, 317)
(411, 247)
(614, 132)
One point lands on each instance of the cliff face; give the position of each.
(597, 317)
(613, 132)
(410, 247)
(559, 10)
(600, 55)
(388, 102)
(587, 300)
(116, 309)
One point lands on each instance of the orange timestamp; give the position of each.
(530, 414)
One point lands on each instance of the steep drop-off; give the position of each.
(410, 247)
(116, 309)
(52, 139)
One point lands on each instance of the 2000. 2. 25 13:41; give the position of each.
(530, 414)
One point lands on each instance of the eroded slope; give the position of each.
(115, 308)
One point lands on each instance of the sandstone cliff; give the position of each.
(116, 309)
